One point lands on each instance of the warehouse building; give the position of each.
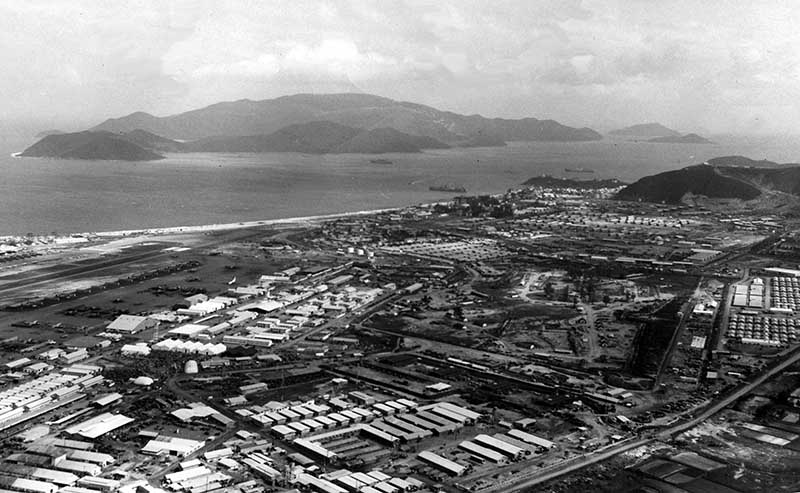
(504, 448)
(532, 439)
(446, 465)
(447, 414)
(131, 324)
(380, 435)
(409, 428)
(26, 485)
(99, 425)
(482, 452)
(444, 424)
(394, 431)
(472, 417)
(527, 447)
(172, 446)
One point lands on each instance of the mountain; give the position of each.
(785, 179)
(381, 140)
(744, 162)
(671, 187)
(319, 138)
(548, 181)
(681, 139)
(45, 133)
(646, 130)
(90, 145)
(727, 177)
(482, 141)
(362, 111)
(152, 141)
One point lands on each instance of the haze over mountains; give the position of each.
(246, 117)
(309, 123)
(681, 139)
(646, 130)
(322, 137)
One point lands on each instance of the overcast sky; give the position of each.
(713, 66)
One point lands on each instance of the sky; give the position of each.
(714, 67)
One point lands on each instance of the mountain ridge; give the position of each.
(322, 137)
(652, 129)
(681, 139)
(247, 117)
(718, 178)
(88, 145)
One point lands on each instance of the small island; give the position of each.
(682, 139)
(90, 146)
(650, 130)
(547, 181)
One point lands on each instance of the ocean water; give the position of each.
(65, 196)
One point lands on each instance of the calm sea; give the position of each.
(44, 195)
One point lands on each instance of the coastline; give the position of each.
(205, 228)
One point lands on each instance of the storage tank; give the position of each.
(190, 367)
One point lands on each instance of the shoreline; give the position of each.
(205, 228)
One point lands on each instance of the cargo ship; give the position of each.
(578, 170)
(447, 188)
(380, 161)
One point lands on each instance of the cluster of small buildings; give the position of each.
(190, 347)
(762, 331)
(66, 466)
(472, 250)
(45, 393)
(313, 308)
(498, 449)
(259, 315)
(360, 435)
(785, 293)
(345, 481)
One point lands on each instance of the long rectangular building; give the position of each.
(444, 424)
(99, 425)
(27, 485)
(470, 415)
(408, 427)
(528, 438)
(504, 448)
(392, 430)
(380, 434)
(482, 452)
(447, 465)
(449, 415)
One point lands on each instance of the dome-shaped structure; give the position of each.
(143, 381)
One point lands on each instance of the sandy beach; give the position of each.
(205, 228)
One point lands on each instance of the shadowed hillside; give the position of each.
(320, 138)
(672, 186)
(90, 145)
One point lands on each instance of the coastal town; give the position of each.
(539, 340)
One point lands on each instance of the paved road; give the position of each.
(789, 358)
(561, 469)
